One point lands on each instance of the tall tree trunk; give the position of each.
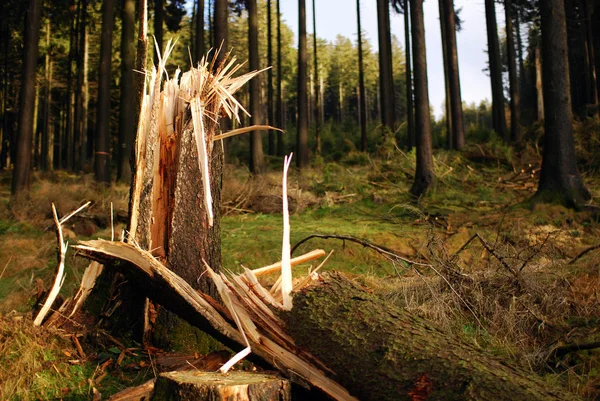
(591, 56)
(362, 110)
(127, 102)
(447, 100)
(199, 37)
(386, 78)
(538, 83)
(257, 159)
(69, 98)
(515, 107)
(524, 82)
(80, 117)
(221, 30)
(22, 170)
(279, 107)
(495, 70)
(424, 174)
(45, 145)
(302, 136)
(102, 154)
(409, 79)
(159, 17)
(458, 126)
(316, 80)
(270, 106)
(560, 180)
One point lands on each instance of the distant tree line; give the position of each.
(69, 82)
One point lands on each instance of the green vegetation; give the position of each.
(547, 304)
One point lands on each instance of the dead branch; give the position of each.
(584, 252)
(378, 248)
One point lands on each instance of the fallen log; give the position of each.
(337, 334)
(387, 353)
(171, 291)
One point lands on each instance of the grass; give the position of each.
(481, 190)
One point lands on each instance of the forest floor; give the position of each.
(518, 289)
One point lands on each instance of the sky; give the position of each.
(339, 17)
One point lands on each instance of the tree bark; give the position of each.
(22, 169)
(382, 352)
(221, 30)
(271, 149)
(495, 70)
(127, 102)
(590, 52)
(102, 154)
(302, 136)
(159, 17)
(362, 117)
(280, 118)
(386, 78)
(80, 71)
(409, 79)
(457, 121)
(560, 180)
(257, 159)
(45, 159)
(447, 100)
(515, 107)
(199, 39)
(539, 89)
(424, 175)
(317, 86)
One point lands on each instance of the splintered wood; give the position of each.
(263, 330)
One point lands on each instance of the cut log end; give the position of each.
(215, 386)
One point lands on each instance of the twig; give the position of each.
(581, 254)
(491, 250)
(378, 248)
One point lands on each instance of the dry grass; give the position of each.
(34, 363)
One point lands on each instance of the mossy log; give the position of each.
(382, 352)
(215, 386)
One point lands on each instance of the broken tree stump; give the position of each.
(215, 386)
(381, 352)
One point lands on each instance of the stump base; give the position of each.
(215, 386)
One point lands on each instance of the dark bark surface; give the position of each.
(279, 120)
(127, 102)
(257, 159)
(362, 118)
(424, 175)
(159, 17)
(382, 352)
(457, 121)
(410, 120)
(495, 66)
(515, 107)
(102, 154)
(199, 39)
(560, 180)
(386, 79)
(317, 85)
(270, 105)
(302, 135)
(22, 170)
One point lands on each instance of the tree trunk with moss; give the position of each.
(560, 181)
(382, 352)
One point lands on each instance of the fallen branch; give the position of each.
(378, 248)
(171, 291)
(583, 253)
(60, 269)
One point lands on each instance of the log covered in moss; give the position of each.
(382, 352)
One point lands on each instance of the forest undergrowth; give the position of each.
(474, 256)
